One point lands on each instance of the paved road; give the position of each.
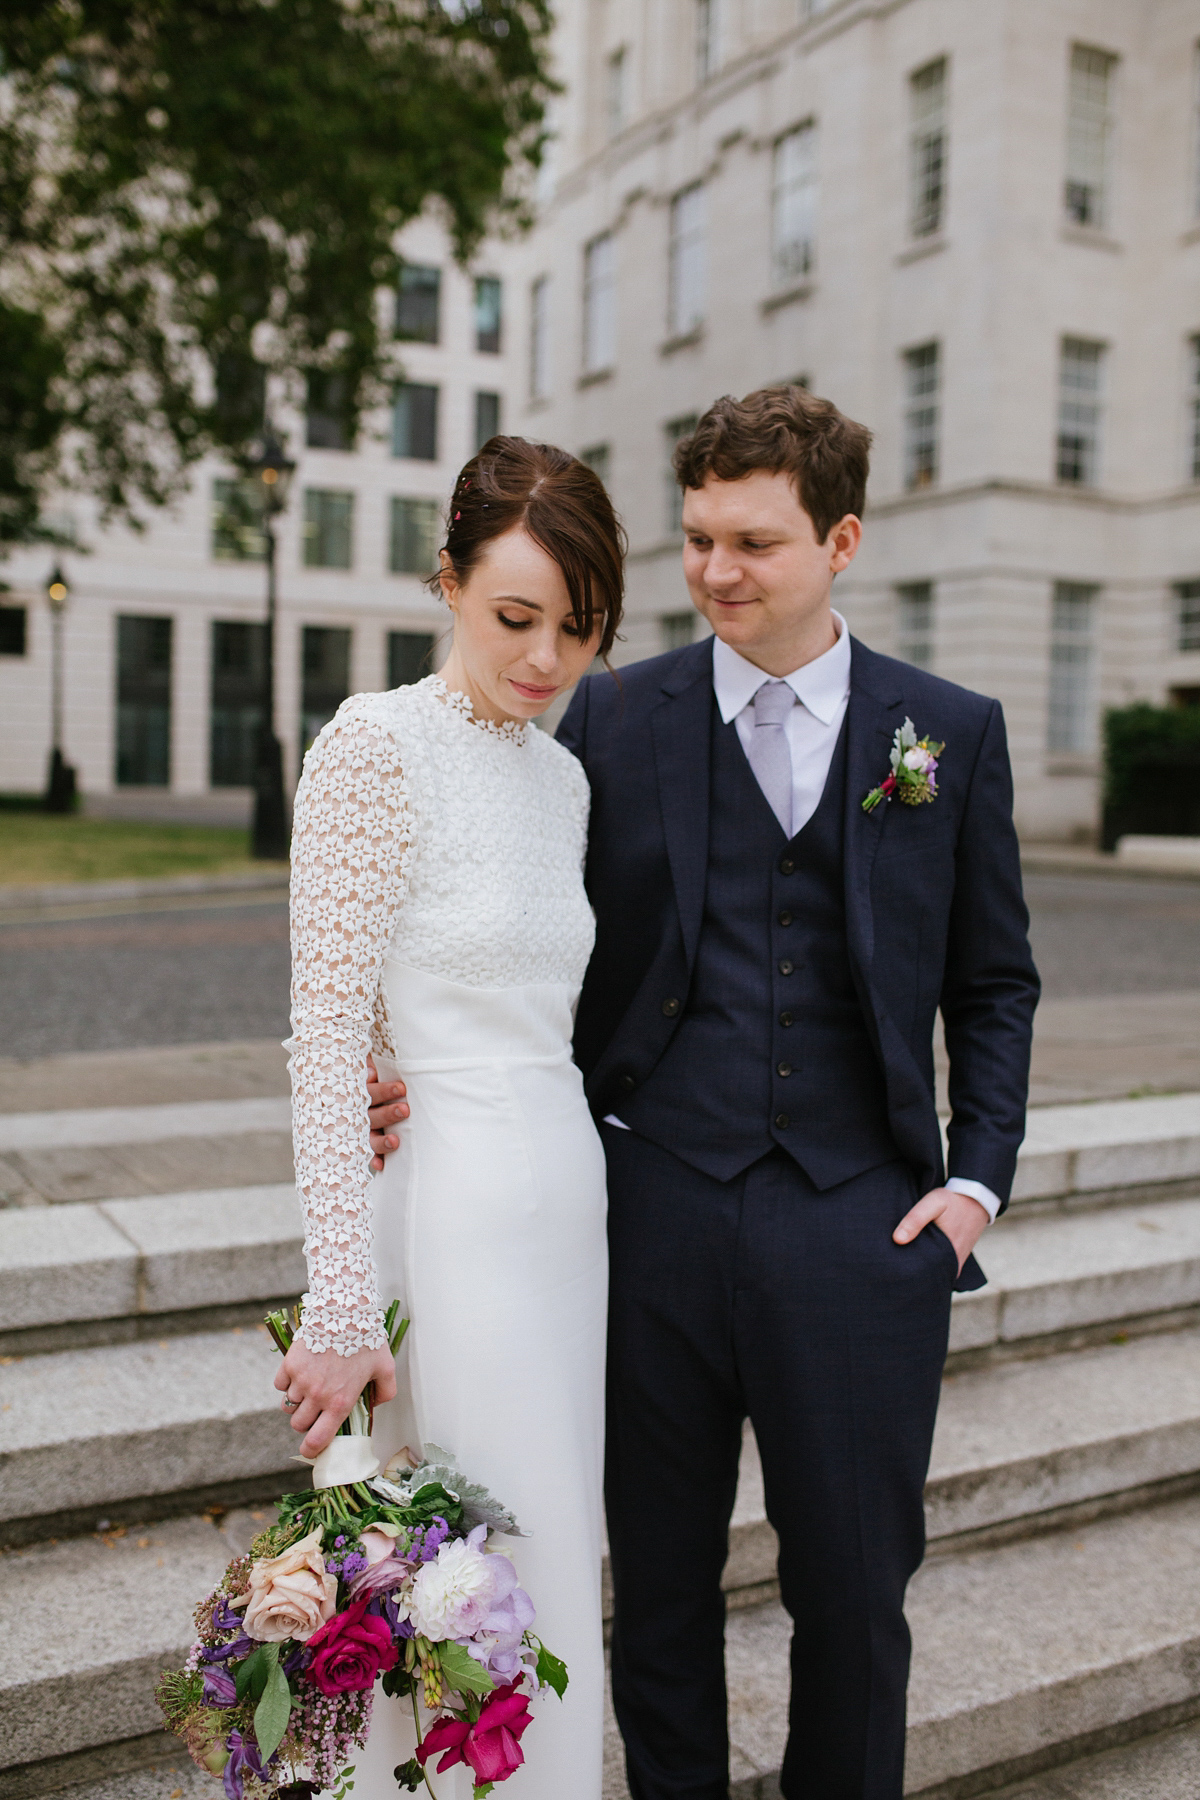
(219, 972)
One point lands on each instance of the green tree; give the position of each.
(198, 194)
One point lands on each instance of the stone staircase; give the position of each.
(1056, 1622)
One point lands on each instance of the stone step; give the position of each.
(1080, 1149)
(1025, 1656)
(1077, 1271)
(140, 1430)
(104, 1616)
(141, 1259)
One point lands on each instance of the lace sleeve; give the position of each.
(350, 850)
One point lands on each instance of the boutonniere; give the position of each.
(914, 763)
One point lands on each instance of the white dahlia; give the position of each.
(452, 1596)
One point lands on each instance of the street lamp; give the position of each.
(268, 464)
(60, 779)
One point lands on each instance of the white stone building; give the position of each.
(160, 639)
(977, 229)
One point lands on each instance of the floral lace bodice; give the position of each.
(453, 845)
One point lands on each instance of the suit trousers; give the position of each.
(764, 1297)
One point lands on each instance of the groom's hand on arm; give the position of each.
(386, 1107)
(963, 1220)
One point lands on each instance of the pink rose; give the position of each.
(290, 1595)
(375, 1545)
(490, 1747)
(350, 1650)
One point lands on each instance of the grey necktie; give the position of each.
(769, 754)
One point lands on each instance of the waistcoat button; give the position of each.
(785, 1018)
(782, 1121)
(785, 918)
(670, 1008)
(786, 967)
(787, 866)
(627, 1084)
(783, 1069)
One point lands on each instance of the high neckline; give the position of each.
(512, 731)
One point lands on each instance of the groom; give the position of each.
(756, 1036)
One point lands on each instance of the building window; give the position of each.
(239, 652)
(616, 74)
(794, 206)
(415, 530)
(487, 418)
(599, 459)
(1072, 722)
(928, 148)
(1089, 135)
(922, 377)
(1196, 134)
(1194, 408)
(914, 623)
(488, 294)
(688, 261)
(539, 339)
(13, 634)
(143, 702)
(237, 533)
(327, 421)
(673, 432)
(1079, 402)
(676, 629)
(415, 421)
(328, 528)
(325, 677)
(1187, 600)
(599, 304)
(410, 657)
(708, 38)
(419, 304)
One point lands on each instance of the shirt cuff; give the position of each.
(975, 1190)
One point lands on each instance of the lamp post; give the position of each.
(269, 465)
(60, 779)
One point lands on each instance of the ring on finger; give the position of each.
(290, 1403)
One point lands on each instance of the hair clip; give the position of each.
(458, 515)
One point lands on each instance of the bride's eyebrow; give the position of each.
(517, 600)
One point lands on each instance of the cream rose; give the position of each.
(290, 1595)
(918, 758)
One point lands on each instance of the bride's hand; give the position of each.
(324, 1387)
(386, 1106)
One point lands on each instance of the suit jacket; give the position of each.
(934, 911)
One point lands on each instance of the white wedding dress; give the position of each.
(439, 919)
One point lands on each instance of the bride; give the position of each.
(439, 922)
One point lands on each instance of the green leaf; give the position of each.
(551, 1670)
(462, 1671)
(249, 1676)
(274, 1709)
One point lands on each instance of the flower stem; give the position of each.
(420, 1739)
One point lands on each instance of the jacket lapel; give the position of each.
(681, 728)
(872, 716)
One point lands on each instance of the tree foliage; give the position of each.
(195, 194)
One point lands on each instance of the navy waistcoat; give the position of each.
(771, 1046)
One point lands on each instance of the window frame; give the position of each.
(916, 633)
(687, 261)
(419, 336)
(1088, 475)
(539, 338)
(922, 447)
(806, 183)
(410, 455)
(316, 530)
(1072, 713)
(1091, 207)
(600, 303)
(928, 149)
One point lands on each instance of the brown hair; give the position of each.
(562, 504)
(783, 429)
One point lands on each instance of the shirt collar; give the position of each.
(821, 685)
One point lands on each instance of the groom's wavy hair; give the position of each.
(785, 430)
(562, 504)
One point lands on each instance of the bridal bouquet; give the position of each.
(379, 1576)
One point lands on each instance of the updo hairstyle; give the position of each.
(565, 508)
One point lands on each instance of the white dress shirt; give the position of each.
(822, 688)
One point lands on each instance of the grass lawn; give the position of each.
(37, 848)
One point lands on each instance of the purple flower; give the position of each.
(432, 1538)
(244, 1759)
(220, 1689)
(498, 1643)
(234, 1651)
(226, 1617)
(352, 1564)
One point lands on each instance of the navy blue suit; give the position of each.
(760, 1013)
